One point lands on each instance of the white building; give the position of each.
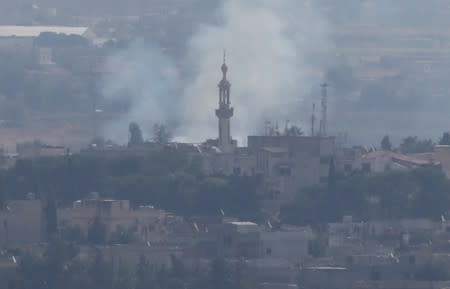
(288, 244)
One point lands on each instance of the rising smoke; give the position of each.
(268, 46)
(146, 79)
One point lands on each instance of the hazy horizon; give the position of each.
(385, 62)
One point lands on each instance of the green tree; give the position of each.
(445, 139)
(220, 276)
(421, 193)
(178, 269)
(3, 197)
(386, 143)
(145, 276)
(293, 131)
(59, 255)
(50, 218)
(97, 232)
(156, 179)
(100, 273)
(51, 39)
(122, 236)
(73, 234)
(241, 276)
(123, 277)
(161, 134)
(317, 247)
(333, 209)
(32, 270)
(12, 74)
(412, 145)
(135, 134)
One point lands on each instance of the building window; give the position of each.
(284, 171)
(237, 171)
(366, 168)
(412, 260)
(269, 251)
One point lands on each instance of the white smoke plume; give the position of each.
(146, 79)
(268, 46)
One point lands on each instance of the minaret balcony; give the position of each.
(225, 112)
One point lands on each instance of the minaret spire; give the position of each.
(224, 66)
(225, 111)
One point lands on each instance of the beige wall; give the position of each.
(22, 223)
(442, 154)
(292, 246)
(145, 222)
(308, 159)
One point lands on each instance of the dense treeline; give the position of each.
(59, 267)
(166, 179)
(422, 193)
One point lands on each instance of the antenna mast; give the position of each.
(324, 103)
(313, 119)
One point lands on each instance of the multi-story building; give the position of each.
(145, 224)
(286, 163)
(289, 163)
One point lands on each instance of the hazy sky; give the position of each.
(279, 52)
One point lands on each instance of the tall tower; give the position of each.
(313, 119)
(324, 103)
(225, 111)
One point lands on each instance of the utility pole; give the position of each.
(324, 103)
(313, 119)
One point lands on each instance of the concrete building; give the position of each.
(289, 163)
(239, 162)
(147, 224)
(226, 238)
(286, 162)
(239, 240)
(129, 255)
(347, 159)
(22, 222)
(288, 243)
(442, 154)
(357, 159)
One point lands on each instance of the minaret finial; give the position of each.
(224, 65)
